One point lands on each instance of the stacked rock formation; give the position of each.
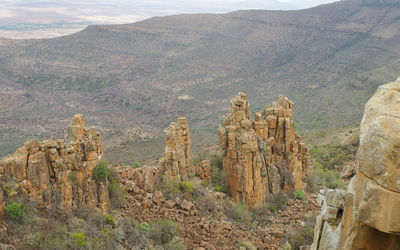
(264, 156)
(370, 217)
(203, 170)
(177, 160)
(57, 173)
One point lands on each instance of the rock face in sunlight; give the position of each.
(177, 161)
(57, 173)
(370, 217)
(264, 156)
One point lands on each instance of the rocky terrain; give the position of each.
(365, 216)
(132, 80)
(60, 194)
(264, 156)
(57, 173)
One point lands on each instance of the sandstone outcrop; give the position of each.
(264, 156)
(203, 170)
(57, 173)
(177, 161)
(370, 217)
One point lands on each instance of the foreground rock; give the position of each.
(370, 217)
(57, 173)
(264, 156)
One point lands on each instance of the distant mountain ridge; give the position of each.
(133, 79)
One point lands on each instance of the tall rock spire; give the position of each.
(264, 156)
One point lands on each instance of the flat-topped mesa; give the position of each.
(57, 173)
(264, 156)
(177, 161)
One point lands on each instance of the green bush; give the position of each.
(186, 186)
(299, 194)
(100, 172)
(136, 164)
(116, 193)
(144, 226)
(163, 231)
(78, 239)
(109, 219)
(170, 188)
(15, 211)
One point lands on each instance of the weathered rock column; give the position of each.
(57, 173)
(262, 156)
(177, 160)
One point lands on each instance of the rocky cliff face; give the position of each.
(177, 160)
(264, 156)
(57, 173)
(370, 217)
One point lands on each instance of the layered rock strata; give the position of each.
(370, 217)
(57, 173)
(177, 161)
(262, 156)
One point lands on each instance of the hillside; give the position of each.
(132, 80)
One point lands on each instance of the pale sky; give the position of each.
(67, 16)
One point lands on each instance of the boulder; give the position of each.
(370, 217)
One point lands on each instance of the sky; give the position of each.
(47, 18)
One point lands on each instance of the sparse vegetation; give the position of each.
(15, 211)
(299, 194)
(163, 231)
(300, 236)
(100, 172)
(238, 212)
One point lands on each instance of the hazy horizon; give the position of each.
(42, 19)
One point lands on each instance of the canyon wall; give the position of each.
(370, 217)
(57, 173)
(264, 156)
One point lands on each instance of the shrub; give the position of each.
(78, 239)
(163, 231)
(135, 234)
(144, 226)
(238, 212)
(100, 172)
(186, 186)
(170, 188)
(116, 192)
(245, 245)
(15, 211)
(299, 194)
(33, 240)
(299, 236)
(175, 244)
(109, 219)
(323, 177)
(136, 164)
(207, 203)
